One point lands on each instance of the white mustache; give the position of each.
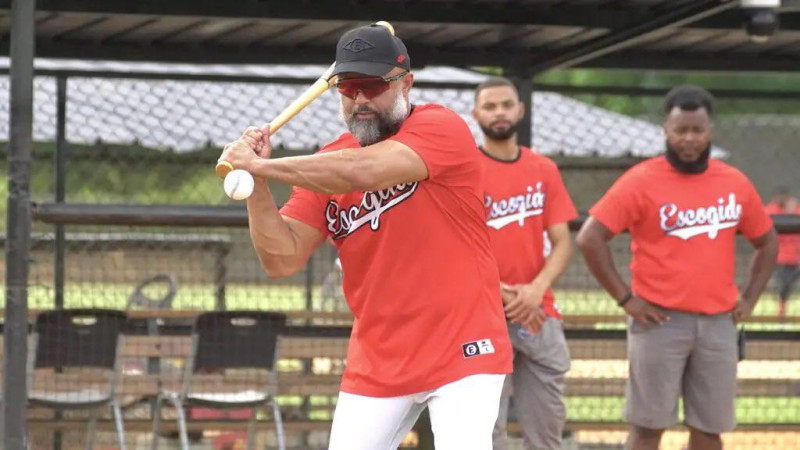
(363, 110)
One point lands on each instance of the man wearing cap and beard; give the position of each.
(400, 195)
(683, 211)
(372, 130)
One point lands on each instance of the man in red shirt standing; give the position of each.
(526, 198)
(788, 248)
(682, 210)
(401, 196)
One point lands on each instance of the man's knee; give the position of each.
(694, 432)
(647, 433)
(499, 437)
(641, 438)
(499, 429)
(702, 440)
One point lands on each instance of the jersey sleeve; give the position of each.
(307, 207)
(444, 142)
(755, 222)
(620, 207)
(560, 207)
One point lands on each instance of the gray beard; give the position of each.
(372, 131)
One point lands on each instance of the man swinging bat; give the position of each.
(400, 195)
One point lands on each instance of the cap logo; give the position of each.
(401, 58)
(358, 45)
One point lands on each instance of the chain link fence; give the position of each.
(152, 138)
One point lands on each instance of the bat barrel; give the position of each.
(386, 25)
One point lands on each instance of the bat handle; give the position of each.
(223, 168)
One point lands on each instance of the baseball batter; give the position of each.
(401, 197)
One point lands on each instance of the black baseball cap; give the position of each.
(371, 50)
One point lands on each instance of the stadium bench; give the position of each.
(599, 370)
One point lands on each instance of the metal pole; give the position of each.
(221, 276)
(310, 283)
(523, 80)
(307, 369)
(61, 182)
(15, 393)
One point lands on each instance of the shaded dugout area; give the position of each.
(112, 197)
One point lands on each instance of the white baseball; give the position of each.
(239, 184)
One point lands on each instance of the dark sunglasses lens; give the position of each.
(369, 87)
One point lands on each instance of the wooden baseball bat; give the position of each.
(312, 93)
(318, 88)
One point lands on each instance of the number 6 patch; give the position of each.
(476, 348)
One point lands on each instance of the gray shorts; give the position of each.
(785, 277)
(541, 362)
(691, 355)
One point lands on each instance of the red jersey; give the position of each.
(683, 229)
(418, 269)
(522, 199)
(788, 244)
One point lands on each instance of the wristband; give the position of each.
(625, 299)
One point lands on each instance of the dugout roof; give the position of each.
(528, 36)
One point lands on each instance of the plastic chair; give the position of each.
(79, 339)
(225, 340)
(139, 299)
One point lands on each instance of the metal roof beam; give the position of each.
(422, 56)
(733, 19)
(582, 15)
(620, 39)
(585, 15)
(210, 54)
(724, 62)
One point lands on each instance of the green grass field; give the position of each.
(749, 410)
(292, 297)
(202, 296)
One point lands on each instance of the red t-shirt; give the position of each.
(788, 244)
(418, 269)
(522, 199)
(683, 229)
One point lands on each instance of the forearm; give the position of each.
(555, 265)
(274, 242)
(762, 264)
(335, 172)
(600, 262)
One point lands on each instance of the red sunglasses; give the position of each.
(371, 87)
